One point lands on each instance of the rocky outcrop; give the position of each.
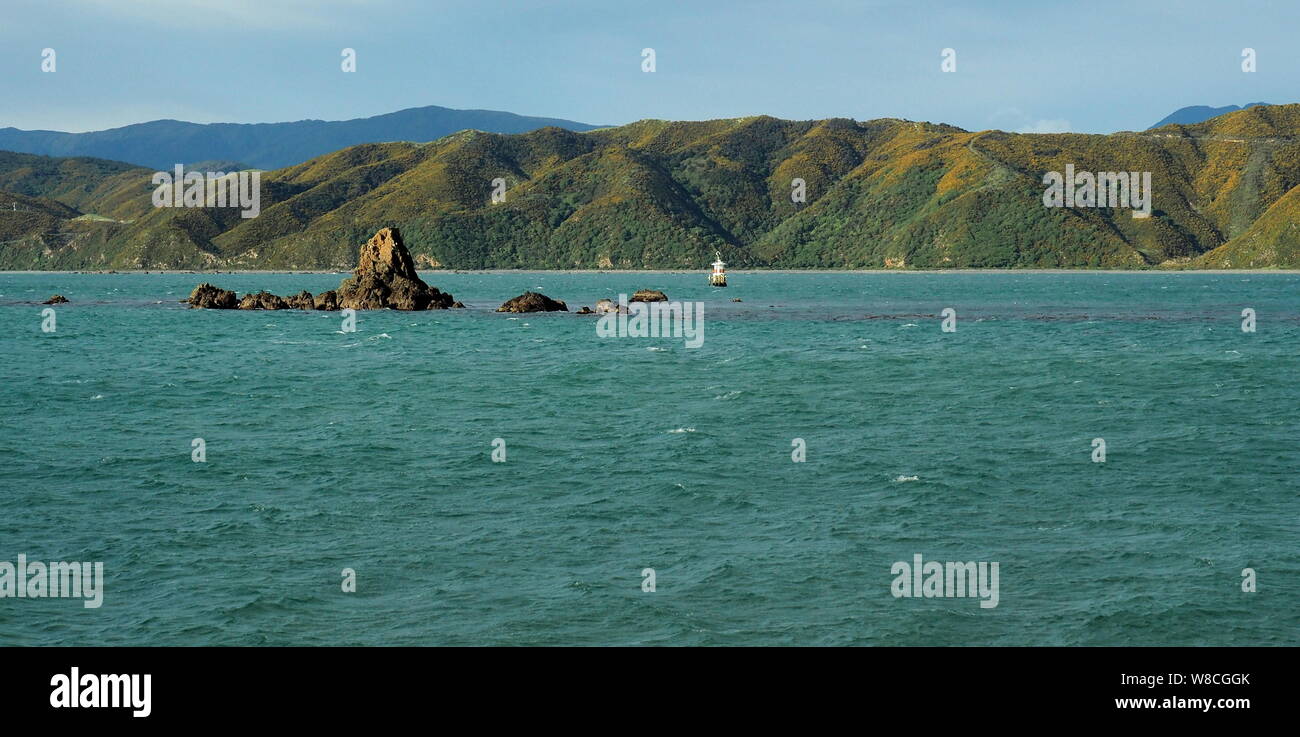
(608, 305)
(327, 300)
(57, 299)
(207, 297)
(458, 305)
(301, 301)
(648, 295)
(263, 300)
(533, 302)
(385, 278)
(584, 310)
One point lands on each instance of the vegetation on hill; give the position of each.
(658, 194)
(1197, 113)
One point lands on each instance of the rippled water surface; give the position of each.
(372, 450)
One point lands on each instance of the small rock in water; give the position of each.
(208, 297)
(533, 302)
(301, 301)
(263, 300)
(327, 300)
(57, 299)
(648, 295)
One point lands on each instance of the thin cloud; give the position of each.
(1055, 125)
(243, 14)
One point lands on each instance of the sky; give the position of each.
(1042, 65)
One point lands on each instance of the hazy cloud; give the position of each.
(245, 14)
(1055, 125)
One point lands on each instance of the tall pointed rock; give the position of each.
(385, 278)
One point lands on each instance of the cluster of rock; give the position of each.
(534, 302)
(385, 278)
(57, 299)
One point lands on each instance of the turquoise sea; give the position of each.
(372, 450)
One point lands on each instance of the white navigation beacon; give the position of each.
(719, 276)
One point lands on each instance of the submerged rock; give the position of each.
(208, 297)
(385, 278)
(57, 299)
(648, 295)
(533, 302)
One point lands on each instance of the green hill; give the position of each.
(658, 194)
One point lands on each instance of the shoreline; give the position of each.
(285, 272)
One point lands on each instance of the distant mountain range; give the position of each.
(883, 193)
(161, 144)
(1199, 113)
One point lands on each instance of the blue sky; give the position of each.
(1084, 66)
